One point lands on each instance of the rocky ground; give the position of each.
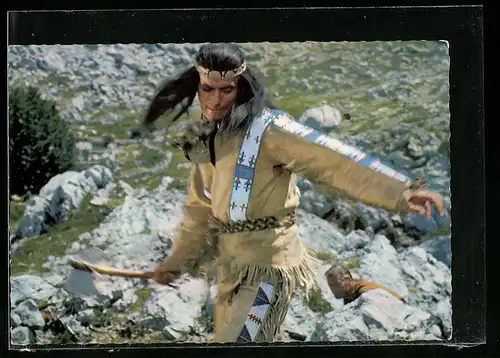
(125, 197)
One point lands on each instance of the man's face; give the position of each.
(216, 97)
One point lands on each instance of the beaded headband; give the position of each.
(222, 75)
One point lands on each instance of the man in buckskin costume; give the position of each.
(242, 194)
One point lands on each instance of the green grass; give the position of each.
(52, 80)
(114, 202)
(70, 93)
(440, 231)
(128, 159)
(317, 303)
(119, 128)
(145, 159)
(150, 158)
(142, 296)
(16, 211)
(34, 251)
(151, 181)
(296, 105)
(180, 184)
(326, 257)
(174, 170)
(352, 262)
(180, 175)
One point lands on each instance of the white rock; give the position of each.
(322, 117)
(376, 315)
(381, 264)
(29, 314)
(63, 193)
(318, 234)
(440, 248)
(180, 308)
(299, 319)
(29, 287)
(22, 336)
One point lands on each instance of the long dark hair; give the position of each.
(180, 91)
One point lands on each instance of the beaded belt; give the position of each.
(267, 222)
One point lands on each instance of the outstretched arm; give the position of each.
(355, 174)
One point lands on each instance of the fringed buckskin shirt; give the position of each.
(254, 177)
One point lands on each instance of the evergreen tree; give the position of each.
(40, 142)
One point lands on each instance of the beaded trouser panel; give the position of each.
(254, 314)
(258, 313)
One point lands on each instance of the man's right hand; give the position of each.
(163, 275)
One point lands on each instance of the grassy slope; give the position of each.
(34, 252)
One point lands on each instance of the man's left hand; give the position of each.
(420, 202)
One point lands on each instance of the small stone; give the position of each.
(29, 314)
(22, 335)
